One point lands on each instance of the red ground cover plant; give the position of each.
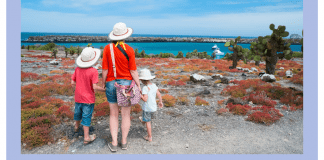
(163, 90)
(102, 109)
(183, 100)
(136, 108)
(64, 112)
(262, 99)
(238, 109)
(220, 102)
(176, 83)
(234, 91)
(221, 111)
(25, 76)
(68, 62)
(168, 100)
(199, 101)
(297, 78)
(265, 114)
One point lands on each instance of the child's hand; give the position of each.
(160, 104)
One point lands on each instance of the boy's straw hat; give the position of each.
(120, 32)
(145, 74)
(89, 56)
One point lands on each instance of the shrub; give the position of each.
(57, 71)
(34, 113)
(25, 76)
(64, 112)
(164, 82)
(221, 111)
(37, 136)
(101, 109)
(265, 114)
(220, 102)
(136, 108)
(238, 109)
(176, 83)
(163, 91)
(262, 99)
(199, 102)
(183, 100)
(218, 81)
(234, 91)
(168, 100)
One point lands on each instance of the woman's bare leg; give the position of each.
(113, 122)
(125, 112)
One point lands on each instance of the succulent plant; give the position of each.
(273, 44)
(238, 52)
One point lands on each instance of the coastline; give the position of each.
(104, 39)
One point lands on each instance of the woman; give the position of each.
(126, 71)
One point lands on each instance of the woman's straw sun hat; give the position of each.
(145, 74)
(120, 32)
(89, 56)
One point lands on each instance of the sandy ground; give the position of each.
(184, 129)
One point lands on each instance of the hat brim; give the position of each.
(116, 38)
(147, 78)
(82, 64)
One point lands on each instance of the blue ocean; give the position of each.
(152, 47)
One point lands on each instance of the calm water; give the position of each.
(154, 47)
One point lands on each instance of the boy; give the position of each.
(85, 79)
(149, 92)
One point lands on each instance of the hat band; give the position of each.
(121, 34)
(90, 59)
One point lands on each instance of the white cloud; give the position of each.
(243, 24)
(78, 3)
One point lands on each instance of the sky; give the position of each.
(168, 17)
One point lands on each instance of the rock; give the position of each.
(231, 67)
(243, 74)
(289, 74)
(281, 68)
(219, 71)
(245, 69)
(224, 80)
(187, 146)
(217, 76)
(239, 68)
(252, 61)
(254, 69)
(206, 84)
(54, 62)
(268, 78)
(212, 71)
(197, 78)
(205, 91)
(236, 101)
(298, 69)
(261, 73)
(249, 71)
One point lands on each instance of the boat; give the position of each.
(217, 52)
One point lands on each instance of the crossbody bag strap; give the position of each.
(123, 51)
(113, 59)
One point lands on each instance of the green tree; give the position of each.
(180, 55)
(142, 54)
(72, 50)
(66, 50)
(78, 50)
(238, 52)
(54, 52)
(275, 44)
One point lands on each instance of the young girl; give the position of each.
(149, 92)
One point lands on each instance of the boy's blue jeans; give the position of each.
(83, 111)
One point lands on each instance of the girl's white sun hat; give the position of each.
(89, 56)
(120, 32)
(145, 74)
